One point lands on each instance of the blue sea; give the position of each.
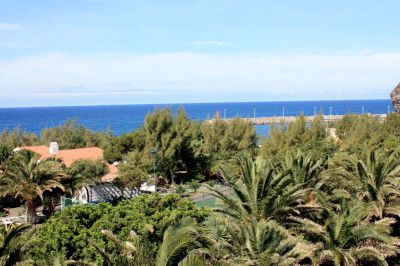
(125, 118)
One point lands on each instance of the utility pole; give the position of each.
(153, 154)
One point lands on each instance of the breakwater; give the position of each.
(267, 120)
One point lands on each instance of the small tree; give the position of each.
(131, 176)
(83, 173)
(195, 185)
(180, 189)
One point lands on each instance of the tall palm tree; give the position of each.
(10, 244)
(27, 178)
(346, 237)
(261, 192)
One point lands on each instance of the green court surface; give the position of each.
(206, 203)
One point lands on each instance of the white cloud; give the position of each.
(9, 26)
(201, 77)
(208, 43)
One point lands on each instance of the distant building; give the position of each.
(106, 190)
(71, 155)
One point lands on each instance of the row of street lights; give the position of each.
(315, 111)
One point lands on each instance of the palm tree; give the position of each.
(257, 242)
(27, 178)
(346, 237)
(178, 241)
(303, 168)
(129, 252)
(261, 192)
(10, 244)
(375, 177)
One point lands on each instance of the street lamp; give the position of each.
(153, 153)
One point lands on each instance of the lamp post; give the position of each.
(153, 153)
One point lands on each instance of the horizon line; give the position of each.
(183, 103)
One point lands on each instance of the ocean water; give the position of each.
(125, 118)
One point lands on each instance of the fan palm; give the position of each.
(10, 244)
(27, 178)
(345, 237)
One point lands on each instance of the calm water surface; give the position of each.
(125, 118)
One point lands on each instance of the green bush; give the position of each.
(70, 232)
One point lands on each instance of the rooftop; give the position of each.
(71, 155)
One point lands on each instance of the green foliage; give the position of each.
(68, 233)
(17, 138)
(306, 197)
(360, 131)
(195, 185)
(5, 153)
(174, 140)
(83, 172)
(124, 144)
(298, 135)
(92, 170)
(28, 179)
(11, 243)
(345, 237)
(71, 135)
(131, 176)
(228, 138)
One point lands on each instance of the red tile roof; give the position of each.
(72, 155)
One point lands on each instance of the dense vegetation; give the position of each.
(311, 194)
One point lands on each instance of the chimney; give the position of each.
(53, 148)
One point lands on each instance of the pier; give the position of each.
(267, 120)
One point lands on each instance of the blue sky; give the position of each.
(80, 52)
